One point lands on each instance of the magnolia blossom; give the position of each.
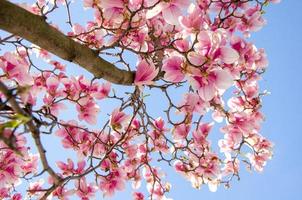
(117, 119)
(171, 10)
(88, 110)
(173, 68)
(102, 91)
(16, 68)
(112, 183)
(187, 54)
(145, 73)
(214, 81)
(191, 102)
(138, 196)
(201, 133)
(85, 191)
(181, 131)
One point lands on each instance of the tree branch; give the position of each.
(33, 129)
(33, 28)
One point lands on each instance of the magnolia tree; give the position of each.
(191, 57)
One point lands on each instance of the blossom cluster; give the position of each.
(200, 47)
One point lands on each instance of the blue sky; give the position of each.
(281, 178)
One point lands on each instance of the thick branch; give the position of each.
(33, 28)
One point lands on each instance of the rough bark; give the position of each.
(33, 28)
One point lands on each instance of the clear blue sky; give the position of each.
(281, 178)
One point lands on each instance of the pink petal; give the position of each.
(171, 14)
(172, 67)
(155, 11)
(224, 79)
(52, 82)
(145, 73)
(112, 4)
(196, 58)
(229, 55)
(207, 92)
(181, 3)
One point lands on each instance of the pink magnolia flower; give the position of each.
(112, 4)
(231, 141)
(84, 190)
(228, 55)
(52, 83)
(253, 20)
(16, 68)
(88, 3)
(209, 166)
(194, 20)
(208, 85)
(137, 40)
(258, 161)
(70, 135)
(201, 133)
(58, 65)
(213, 45)
(192, 102)
(118, 118)
(138, 196)
(131, 150)
(31, 164)
(66, 168)
(170, 10)
(180, 166)
(230, 167)
(9, 168)
(196, 59)
(159, 123)
(182, 45)
(173, 69)
(88, 110)
(17, 196)
(102, 91)
(62, 193)
(145, 73)
(263, 147)
(181, 131)
(53, 108)
(35, 188)
(113, 182)
(4, 193)
(113, 12)
(41, 53)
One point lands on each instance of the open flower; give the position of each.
(118, 118)
(145, 73)
(88, 110)
(171, 10)
(208, 84)
(173, 69)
